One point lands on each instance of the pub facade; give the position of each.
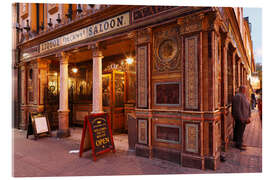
(164, 74)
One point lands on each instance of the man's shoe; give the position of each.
(241, 148)
(244, 145)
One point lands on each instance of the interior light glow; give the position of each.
(74, 70)
(129, 60)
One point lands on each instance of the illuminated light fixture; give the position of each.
(129, 60)
(25, 55)
(74, 70)
(55, 73)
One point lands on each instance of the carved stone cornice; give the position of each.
(190, 23)
(132, 35)
(211, 21)
(224, 40)
(97, 49)
(144, 36)
(63, 57)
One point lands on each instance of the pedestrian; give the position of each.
(260, 105)
(253, 101)
(241, 114)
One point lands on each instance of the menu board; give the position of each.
(98, 127)
(41, 125)
(100, 133)
(37, 125)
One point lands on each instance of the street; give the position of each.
(50, 156)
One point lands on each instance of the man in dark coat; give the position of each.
(241, 114)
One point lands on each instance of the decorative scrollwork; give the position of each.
(167, 48)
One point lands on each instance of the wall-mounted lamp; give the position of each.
(79, 9)
(58, 19)
(91, 5)
(18, 27)
(69, 15)
(129, 60)
(27, 28)
(50, 23)
(42, 26)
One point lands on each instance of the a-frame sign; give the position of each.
(38, 125)
(97, 135)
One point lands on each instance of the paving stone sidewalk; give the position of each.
(50, 156)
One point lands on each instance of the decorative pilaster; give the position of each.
(237, 74)
(224, 90)
(224, 70)
(234, 71)
(63, 111)
(97, 80)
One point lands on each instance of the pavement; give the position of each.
(53, 157)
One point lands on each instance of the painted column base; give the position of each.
(198, 162)
(225, 145)
(63, 133)
(192, 161)
(171, 155)
(212, 162)
(63, 124)
(142, 150)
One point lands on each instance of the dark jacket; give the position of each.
(240, 108)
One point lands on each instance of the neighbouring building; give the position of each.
(164, 74)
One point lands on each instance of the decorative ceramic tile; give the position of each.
(142, 76)
(142, 131)
(167, 50)
(191, 73)
(192, 138)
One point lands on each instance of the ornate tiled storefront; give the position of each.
(183, 76)
(182, 121)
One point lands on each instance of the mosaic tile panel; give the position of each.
(142, 131)
(142, 76)
(192, 138)
(191, 73)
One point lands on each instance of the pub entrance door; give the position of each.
(114, 93)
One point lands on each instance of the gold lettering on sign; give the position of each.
(99, 128)
(108, 25)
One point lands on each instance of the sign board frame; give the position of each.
(36, 125)
(97, 130)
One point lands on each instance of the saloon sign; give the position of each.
(88, 32)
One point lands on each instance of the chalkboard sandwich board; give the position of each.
(38, 125)
(97, 130)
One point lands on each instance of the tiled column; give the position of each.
(224, 94)
(234, 70)
(63, 111)
(238, 73)
(224, 70)
(97, 80)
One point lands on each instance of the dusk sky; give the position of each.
(255, 18)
